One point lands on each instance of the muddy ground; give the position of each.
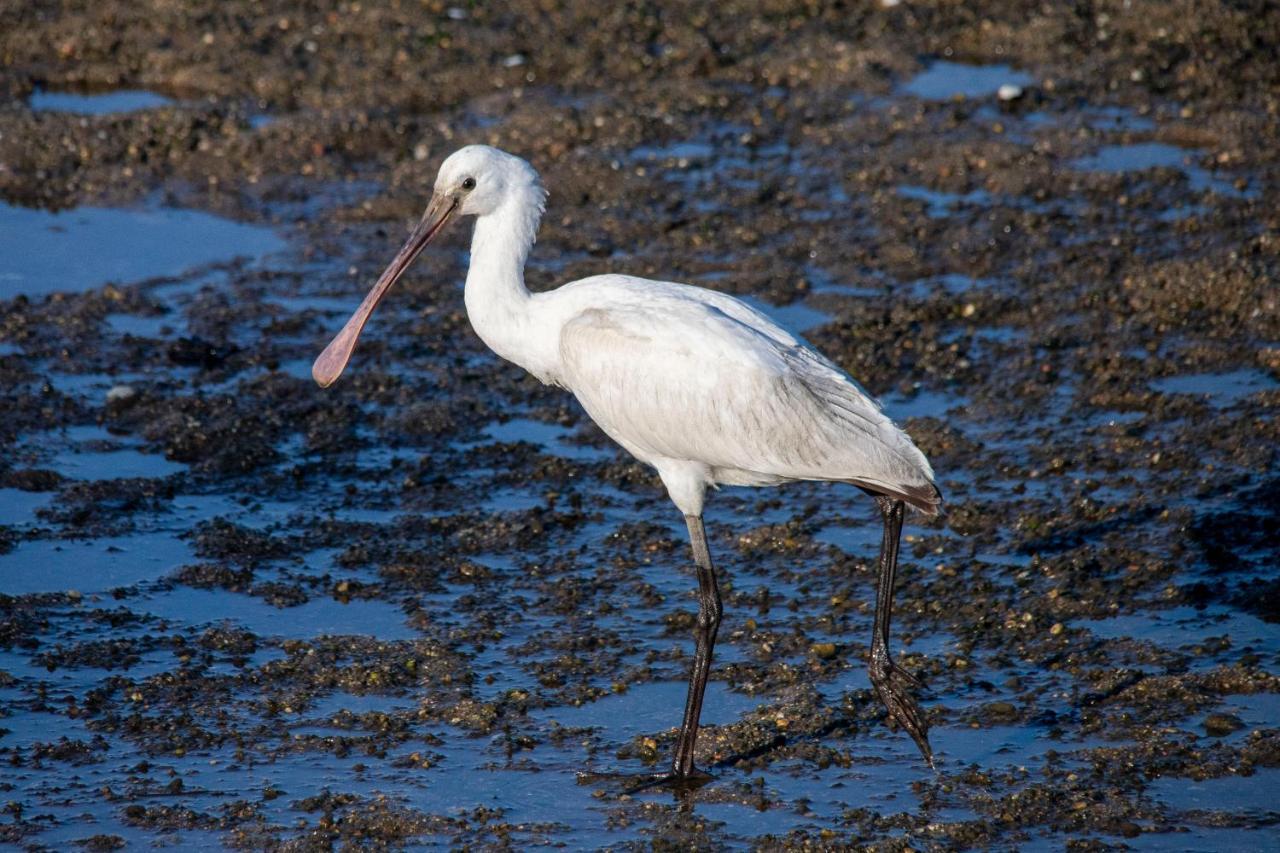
(405, 611)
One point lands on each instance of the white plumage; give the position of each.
(709, 391)
(696, 383)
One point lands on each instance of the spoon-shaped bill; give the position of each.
(330, 364)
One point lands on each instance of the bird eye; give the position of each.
(468, 183)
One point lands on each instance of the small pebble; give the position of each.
(1009, 92)
(1221, 725)
(997, 712)
(823, 650)
(121, 393)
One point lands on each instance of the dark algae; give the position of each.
(237, 611)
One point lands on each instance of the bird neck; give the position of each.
(496, 297)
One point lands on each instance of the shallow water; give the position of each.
(798, 317)
(941, 203)
(1247, 795)
(921, 404)
(320, 615)
(1198, 839)
(52, 565)
(551, 438)
(18, 507)
(95, 454)
(96, 104)
(1221, 389)
(1140, 156)
(1180, 627)
(163, 326)
(952, 283)
(43, 252)
(647, 707)
(943, 80)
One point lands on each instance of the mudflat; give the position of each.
(406, 611)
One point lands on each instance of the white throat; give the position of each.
(499, 305)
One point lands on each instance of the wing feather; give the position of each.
(681, 376)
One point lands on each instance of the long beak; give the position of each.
(329, 366)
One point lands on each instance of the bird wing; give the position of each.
(677, 372)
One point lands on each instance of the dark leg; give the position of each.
(709, 613)
(684, 776)
(890, 681)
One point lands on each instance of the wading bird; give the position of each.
(695, 383)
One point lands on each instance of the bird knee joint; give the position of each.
(878, 664)
(709, 617)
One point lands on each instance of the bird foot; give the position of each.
(634, 783)
(893, 685)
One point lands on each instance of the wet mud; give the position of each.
(409, 610)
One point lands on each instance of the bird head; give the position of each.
(482, 179)
(473, 181)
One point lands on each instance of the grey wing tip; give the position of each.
(925, 498)
(934, 501)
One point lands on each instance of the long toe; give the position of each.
(907, 679)
(893, 687)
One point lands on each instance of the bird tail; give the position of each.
(925, 497)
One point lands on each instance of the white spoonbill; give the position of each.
(695, 383)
